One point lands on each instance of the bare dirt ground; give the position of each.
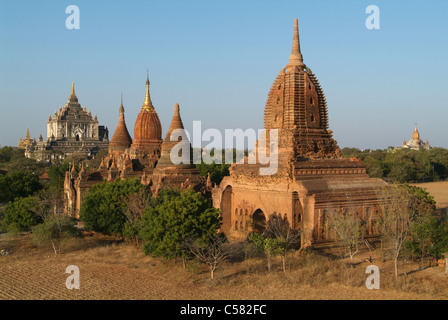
(113, 270)
(439, 190)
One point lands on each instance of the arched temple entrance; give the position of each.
(297, 211)
(258, 221)
(226, 209)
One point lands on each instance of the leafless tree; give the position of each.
(288, 238)
(348, 229)
(249, 250)
(136, 203)
(395, 221)
(49, 202)
(212, 252)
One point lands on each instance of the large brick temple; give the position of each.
(312, 178)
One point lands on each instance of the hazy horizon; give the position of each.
(219, 59)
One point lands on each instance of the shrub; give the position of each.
(18, 184)
(55, 230)
(176, 217)
(20, 215)
(103, 208)
(269, 246)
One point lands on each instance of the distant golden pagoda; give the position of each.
(415, 143)
(25, 143)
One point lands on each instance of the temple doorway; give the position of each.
(297, 211)
(258, 221)
(226, 209)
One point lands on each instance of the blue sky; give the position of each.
(218, 60)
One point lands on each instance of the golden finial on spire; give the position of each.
(73, 97)
(296, 58)
(147, 105)
(416, 134)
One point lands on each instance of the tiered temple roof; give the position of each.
(297, 107)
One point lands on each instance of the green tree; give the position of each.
(288, 239)
(15, 160)
(428, 230)
(375, 168)
(403, 165)
(423, 165)
(103, 208)
(56, 172)
(439, 163)
(350, 152)
(422, 200)
(217, 171)
(18, 183)
(421, 235)
(440, 238)
(269, 246)
(21, 214)
(76, 158)
(94, 163)
(175, 217)
(136, 203)
(6, 154)
(400, 165)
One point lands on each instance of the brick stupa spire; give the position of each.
(147, 105)
(73, 97)
(175, 166)
(297, 107)
(179, 138)
(121, 139)
(296, 58)
(147, 128)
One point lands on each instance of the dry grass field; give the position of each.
(439, 190)
(113, 270)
